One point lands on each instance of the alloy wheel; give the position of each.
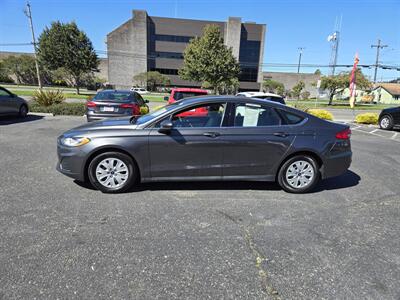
(112, 172)
(300, 174)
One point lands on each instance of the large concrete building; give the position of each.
(146, 43)
(289, 80)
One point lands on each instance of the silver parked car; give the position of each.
(11, 104)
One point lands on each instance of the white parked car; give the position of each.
(262, 95)
(140, 91)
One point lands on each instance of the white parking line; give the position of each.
(394, 136)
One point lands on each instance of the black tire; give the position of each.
(127, 184)
(386, 122)
(300, 159)
(23, 111)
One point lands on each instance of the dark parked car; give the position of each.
(115, 103)
(238, 139)
(11, 104)
(389, 118)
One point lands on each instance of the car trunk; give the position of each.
(106, 108)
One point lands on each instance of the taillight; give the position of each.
(127, 106)
(90, 104)
(135, 108)
(344, 134)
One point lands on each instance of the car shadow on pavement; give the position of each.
(207, 185)
(8, 120)
(346, 180)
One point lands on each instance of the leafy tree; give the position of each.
(273, 86)
(207, 58)
(63, 45)
(305, 95)
(317, 72)
(296, 90)
(22, 67)
(151, 80)
(229, 87)
(337, 83)
(4, 74)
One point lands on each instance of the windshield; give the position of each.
(154, 114)
(114, 96)
(181, 95)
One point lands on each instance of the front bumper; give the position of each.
(71, 162)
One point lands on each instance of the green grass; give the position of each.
(336, 105)
(67, 95)
(155, 97)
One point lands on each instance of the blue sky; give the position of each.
(290, 24)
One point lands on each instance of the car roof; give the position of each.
(189, 90)
(257, 94)
(116, 91)
(234, 99)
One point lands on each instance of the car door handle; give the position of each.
(280, 134)
(211, 134)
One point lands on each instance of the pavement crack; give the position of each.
(259, 258)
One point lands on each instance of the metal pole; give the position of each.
(300, 54)
(378, 47)
(29, 15)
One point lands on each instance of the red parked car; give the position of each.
(181, 93)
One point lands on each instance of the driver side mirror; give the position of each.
(166, 98)
(166, 126)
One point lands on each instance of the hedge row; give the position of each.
(72, 109)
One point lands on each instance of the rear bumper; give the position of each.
(336, 165)
(91, 116)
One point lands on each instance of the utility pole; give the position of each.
(378, 47)
(300, 54)
(28, 13)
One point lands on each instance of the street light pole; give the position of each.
(29, 15)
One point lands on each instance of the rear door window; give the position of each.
(255, 115)
(290, 118)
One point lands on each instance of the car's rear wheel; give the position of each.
(386, 122)
(23, 111)
(299, 174)
(112, 172)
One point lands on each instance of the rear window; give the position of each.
(182, 95)
(290, 118)
(114, 96)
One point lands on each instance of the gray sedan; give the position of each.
(11, 104)
(207, 138)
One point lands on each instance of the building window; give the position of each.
(160, 54)
(165, 71)
(173, 38)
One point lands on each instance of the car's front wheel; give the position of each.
(386, 122)
(112, 172)
(299, 174)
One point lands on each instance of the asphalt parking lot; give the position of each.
(60, 239)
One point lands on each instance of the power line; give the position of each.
(15, 44)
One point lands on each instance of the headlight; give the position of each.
(74, 141)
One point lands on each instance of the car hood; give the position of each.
(391, 109)
(106, 124)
